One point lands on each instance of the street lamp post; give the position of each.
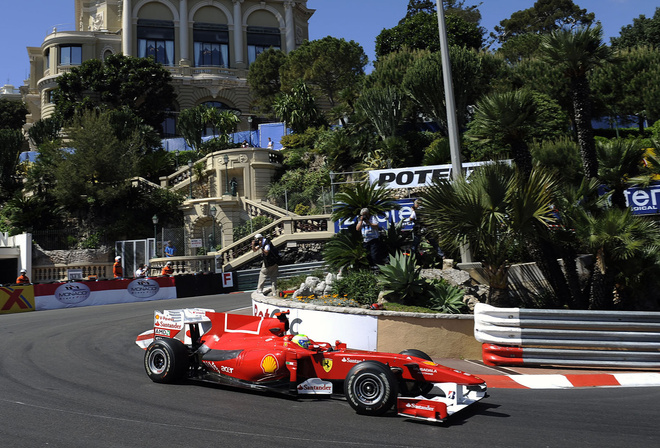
(213, 211)
(249, 119)
(176, 159)
(154, 219)
(190, 165)
(332, 187)
(225, 158)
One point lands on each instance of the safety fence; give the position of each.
(580, 338)
(247, 279)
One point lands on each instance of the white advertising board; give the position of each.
(357, 331)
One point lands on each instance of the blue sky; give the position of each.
(26, 23)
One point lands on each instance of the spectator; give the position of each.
(416, 231)
(169, 249)
(141, 271)
(270, 143)
(23, 279)
(368, 225)
(117, 269)
(271, 260)
(167, 269)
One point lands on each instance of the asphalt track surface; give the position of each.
(75, 378)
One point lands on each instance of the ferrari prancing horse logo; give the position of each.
(327, 365)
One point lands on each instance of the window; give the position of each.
(156, 40)
(211, 45)
(47, 57)
(50, 96)
(70, 55)
(260, 39)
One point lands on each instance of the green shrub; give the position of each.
(445, 298)
(360, 286)
(246, 228)
(400, 280)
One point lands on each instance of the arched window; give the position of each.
(260, 39)
(211, 45)
(156, 40)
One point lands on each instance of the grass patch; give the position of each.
(393, 306)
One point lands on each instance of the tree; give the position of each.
(643, 32)
(365, 195)
(515, 119)
(472, 73)
(45, 131)
(12, 114)
(298, 109)
(328, 66)
(384, 109)
(11, 142)
(619, 160)
(191, 126)
(490, 211)
(140, 84)
(577, 53)
(619, 85)
(420, 32)
(509, 117)
(264, 79)
(542, 18)
(619, 240)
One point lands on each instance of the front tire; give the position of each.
(166, 360)
(370, 388)
(415, 388)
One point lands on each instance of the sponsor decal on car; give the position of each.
(72, 293)
(143, 288)
(420, 406)
(327, 364)
(269, 364)
(162, 331)
(352, 360)
(315, 386)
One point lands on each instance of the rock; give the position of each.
(470, 301)
(455, 277)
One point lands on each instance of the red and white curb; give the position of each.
(569, 381)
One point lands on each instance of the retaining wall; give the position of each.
(439, 335)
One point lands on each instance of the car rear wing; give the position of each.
(175, 324)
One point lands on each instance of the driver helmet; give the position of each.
(302, 340)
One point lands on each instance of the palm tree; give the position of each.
(619, 161)
(617, 238)
(577, 53)
(490, 212)
(509, 118)
(365, 195)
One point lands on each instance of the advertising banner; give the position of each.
(643, 201)
(75, 294)
(16, 299)
(389, 218)
(418, 176)
(358, 331)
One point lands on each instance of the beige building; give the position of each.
(206, 44)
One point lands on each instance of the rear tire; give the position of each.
(166, 360)
(415, 388)
(370, 388)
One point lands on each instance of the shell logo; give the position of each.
(269, 364)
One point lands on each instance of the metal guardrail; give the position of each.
(515, 336)
(247, 279)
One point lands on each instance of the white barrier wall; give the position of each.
(357, 331)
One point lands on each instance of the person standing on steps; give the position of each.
(270, 265)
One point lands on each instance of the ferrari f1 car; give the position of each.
(258, 353)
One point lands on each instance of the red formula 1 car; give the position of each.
(257, 353)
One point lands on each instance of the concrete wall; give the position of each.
(439, 335)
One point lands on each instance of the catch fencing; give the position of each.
(580, 338)
(247, 280)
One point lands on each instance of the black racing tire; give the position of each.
(166, 360)
(370, 388)
(415, 388)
